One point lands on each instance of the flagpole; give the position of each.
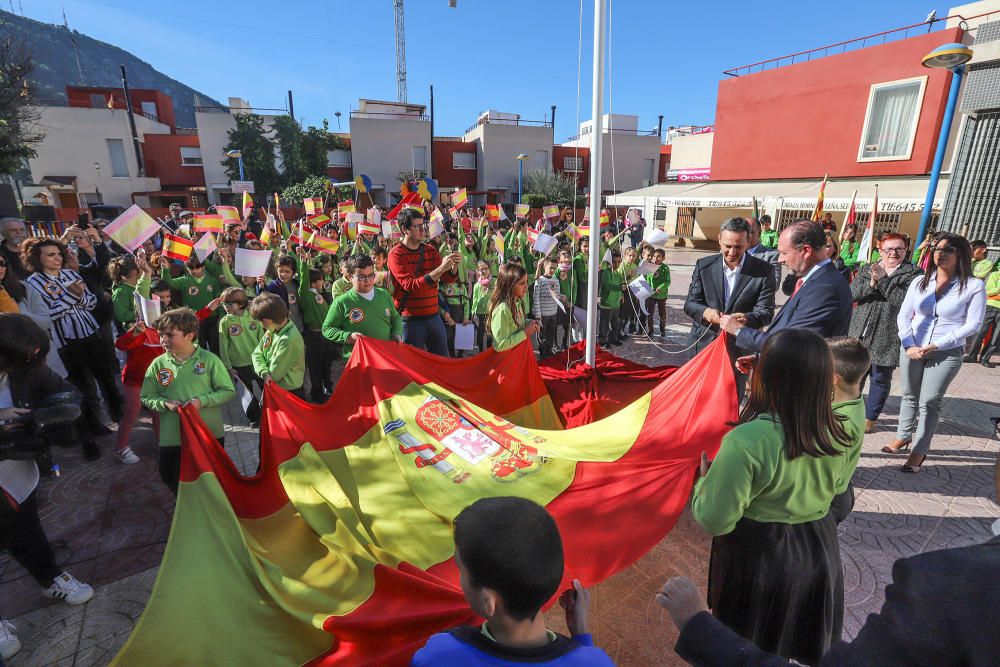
(596, 139)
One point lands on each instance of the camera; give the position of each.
(31, 436)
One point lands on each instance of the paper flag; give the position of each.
(346, 207)
(147, 309)
(210, 222)
(550, 211)
(247, 203)
(177, 247)
(545, 244)
(498, 240)
(645, 268)
(228, 213)
(460, 198)
(365, 227)
(324, 244)
(492, 213)
(131, 229)
(251, 263)
(607, 257)
(657, 238)
(205, 246)
(555, 296)
(436, 215)
(522, 210)
(374, 216)
(642, 290)
(319, 220)
(605, 219)
(386, 228)
(434, 228)
(632, 217)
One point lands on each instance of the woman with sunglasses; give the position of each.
(940, 312)
(878, 291)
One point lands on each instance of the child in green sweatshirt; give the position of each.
(239, 335)
(479, 307)
(319, 351)
(128, 275)
(201, 283)
(280, 356)
(610, 301)
(365, 310)
(186, 375)
(659, 280)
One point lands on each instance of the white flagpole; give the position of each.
(596, 140)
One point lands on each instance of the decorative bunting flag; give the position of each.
(228, 213)
(522, 210)
(177, 247)
(550, 211)
(205, 246)
(492, 213)
(131, 229)
(460, 198)
(208, 223)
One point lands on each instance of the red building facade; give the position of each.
(150, 103)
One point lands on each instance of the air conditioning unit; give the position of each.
(646, 183)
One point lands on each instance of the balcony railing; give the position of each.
(849, 45)
(631, 133)
(375, 115)
(257, 110)
(509, 121)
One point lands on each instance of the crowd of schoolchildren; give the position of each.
(296, 326)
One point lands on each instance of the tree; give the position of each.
(288, 136)
(315, 144)
(249, 138)
(18, 113)
(314, 186)
(543, 186)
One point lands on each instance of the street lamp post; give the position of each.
(239, 160)
(97, 187)
(520, 157)
(952, 57)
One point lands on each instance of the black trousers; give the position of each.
(170, 465)
(249, 378)
(319, 357)
(91, 362)
(990, 323)
(208, 333)
(547, 335)
(608, 325)
(21, 533)
(482, 333)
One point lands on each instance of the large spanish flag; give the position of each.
(339, 550)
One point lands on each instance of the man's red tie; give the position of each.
(798, 285)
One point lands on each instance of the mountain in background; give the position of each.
(55, 66)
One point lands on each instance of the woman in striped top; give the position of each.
(61, 295)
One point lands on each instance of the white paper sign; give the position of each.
(147, 309)
(205, 246)
(251, 263)
(657, 238)
(386, 228)
(556, 296)
(374, 216)
(245, 395)
(645, 268)
(633, 216)
(465, 336)
(434, 228)
(355, 217)
(545, 244)
(607, 257)
(642, 291)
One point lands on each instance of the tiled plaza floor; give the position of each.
(109, 524)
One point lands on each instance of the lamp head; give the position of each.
(521, 156)
(234, 154)
(948, 56)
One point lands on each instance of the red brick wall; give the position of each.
(444, 171)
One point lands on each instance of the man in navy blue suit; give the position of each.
(821, 301)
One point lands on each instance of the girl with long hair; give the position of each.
(506, 312)
(940, 312)
(775, 574)
(128, 275)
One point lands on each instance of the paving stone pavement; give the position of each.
(109, 524)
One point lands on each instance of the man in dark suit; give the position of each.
(730, 283)
(822, 298)
(761, 251)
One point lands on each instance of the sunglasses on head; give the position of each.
(946, 250)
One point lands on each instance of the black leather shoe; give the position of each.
(91, 451)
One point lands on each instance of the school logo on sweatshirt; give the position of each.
(266, 343)
(53, 289)
(164, 376)
(235, 330)
(193, 290)
(356, 315)
(199, 368)
(292, 299)
(319, 299)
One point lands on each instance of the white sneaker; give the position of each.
(127, 456)
(9, 645)
(65, 587)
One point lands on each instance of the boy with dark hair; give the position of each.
(365, 310)
(341, 285)
(280, 355)
(185, 374)
(656, 304)
(545, 306)
(319, 352)
(287, 288)
(982, 266)
(239, 335)
(201, 283)
(610, 301)
(851, 362)
(510, 561)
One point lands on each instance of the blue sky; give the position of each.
(518, 56)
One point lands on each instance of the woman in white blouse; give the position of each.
(940, 311)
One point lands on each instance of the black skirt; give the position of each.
(780, 585)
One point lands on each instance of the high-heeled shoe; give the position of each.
(911, 467)
(896, 446)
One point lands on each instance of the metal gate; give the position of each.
(972, 205)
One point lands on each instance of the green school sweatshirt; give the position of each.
(352, 313)
(282, 355)
(238, 337)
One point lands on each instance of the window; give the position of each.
(420, 158)
(787, 216)
(98, 101)
(90, 198)
(885, 223)
(572, 163)
(190, 156)
(149, 110)
(651, 170)
(542, 160)
(463, 160)
(338, 158)
(891, 120)
(119, 165)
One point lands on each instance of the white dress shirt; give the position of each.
(730, 275)
(926, 319)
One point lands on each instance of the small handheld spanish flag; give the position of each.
(247, 203)
(459, 198)
(208, 223)
(177, 247)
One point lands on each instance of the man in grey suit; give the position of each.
(731, 283)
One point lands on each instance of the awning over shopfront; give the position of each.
(894, 195)
(59, 181)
